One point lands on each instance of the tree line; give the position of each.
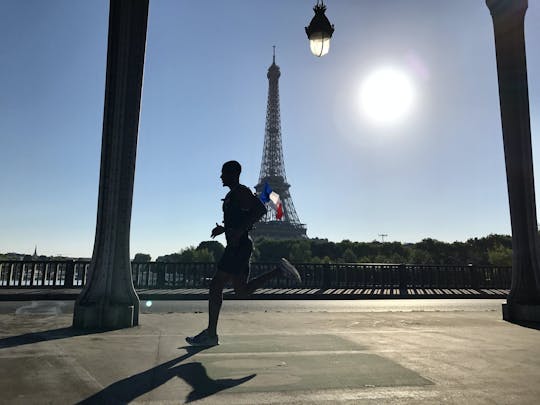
(490, 250)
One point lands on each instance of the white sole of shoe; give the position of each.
(290, 270)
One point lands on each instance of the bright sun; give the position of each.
(386, 96)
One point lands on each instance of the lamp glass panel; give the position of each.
(319, 44)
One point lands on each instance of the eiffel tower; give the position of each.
(273, 171)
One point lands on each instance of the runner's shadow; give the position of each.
(203, 386)
(128, 389)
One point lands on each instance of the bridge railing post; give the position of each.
(160, 276)
(70, 273)
(475, 282)
(403, 279)
(326, 276)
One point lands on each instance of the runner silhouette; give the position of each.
(241, 209)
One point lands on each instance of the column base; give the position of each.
(104, 316)
(521, 312)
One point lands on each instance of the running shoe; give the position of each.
(289, 270)
(203, 339)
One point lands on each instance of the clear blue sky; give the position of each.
(439, 173)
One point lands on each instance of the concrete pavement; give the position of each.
(274, 354)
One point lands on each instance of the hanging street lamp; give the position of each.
(319, 31)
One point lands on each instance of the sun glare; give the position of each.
(386, 96)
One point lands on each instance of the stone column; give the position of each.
(109, 301)
(523, 303)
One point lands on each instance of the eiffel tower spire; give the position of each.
(273, 170)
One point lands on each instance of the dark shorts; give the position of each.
(235, 259)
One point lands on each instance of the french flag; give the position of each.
(267, 195)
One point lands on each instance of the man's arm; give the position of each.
(218, 230)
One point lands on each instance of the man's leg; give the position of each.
(215, 299)
(243, 288)
(208, 337)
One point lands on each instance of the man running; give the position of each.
(241, 209)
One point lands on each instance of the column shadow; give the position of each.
(36, 337)
(194, 373)
(525, 324)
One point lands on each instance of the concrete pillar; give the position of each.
(109, 301)
(523, 302)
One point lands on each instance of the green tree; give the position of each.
(381, 258)
(419, 256)
(300, 252)
(273, 250)
(321, 260)
(203, 256)
(213, 246)
(397, 258)
(322, 248)
(187, 255)
(142, 258)
(438, 251)
(348, 256)
(500, 255)
(486, 250)
(172, 258)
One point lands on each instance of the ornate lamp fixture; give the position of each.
(319, 31)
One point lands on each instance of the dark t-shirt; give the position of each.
(234, 216)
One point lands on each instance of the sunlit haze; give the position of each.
(386, 96)
(420, 157)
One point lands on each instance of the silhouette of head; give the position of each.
(230, 173)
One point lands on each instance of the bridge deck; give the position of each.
(322, 352)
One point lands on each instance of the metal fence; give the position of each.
(73, 274)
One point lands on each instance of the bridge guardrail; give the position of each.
(162, 275)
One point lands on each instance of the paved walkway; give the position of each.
(274, 356)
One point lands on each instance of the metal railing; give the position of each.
(73, 274)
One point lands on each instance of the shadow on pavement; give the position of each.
(530, 325)
(128, 389)
(35, 337)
